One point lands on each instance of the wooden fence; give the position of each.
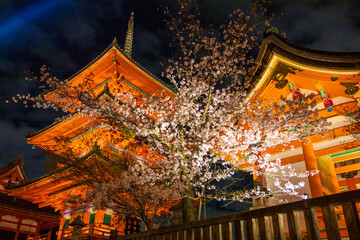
(270, 222)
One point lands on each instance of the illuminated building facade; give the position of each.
(288, 71)
(21, 219)
(285, 70)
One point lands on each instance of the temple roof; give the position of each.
(16, 163)
(335, 60)
(33, 181)
(12, 175)
(139, 73)
(17, 203)
(304, 66)
(115, 44)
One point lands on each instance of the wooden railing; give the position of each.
(270, 222)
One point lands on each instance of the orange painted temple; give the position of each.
(285, 70)
(19, 218)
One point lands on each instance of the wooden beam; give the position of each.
(347, 168)
(293, 159)
(345, 157)
(335, 149)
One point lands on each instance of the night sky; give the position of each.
(65, 35)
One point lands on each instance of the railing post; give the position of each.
(312, 225)
(249, 229)
(331, 226)
(269, 230)
(226, 231)
(197, 233)
(352, 220)
(166, 236)
(278, 226)
(159, 237)
(181, 235)
(261, 227)
(189, 234)
(294, 226)
(239, 230)
(215, 233)
(206, 233)
(173, 236)
(264, 228)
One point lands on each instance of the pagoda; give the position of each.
(112, 71)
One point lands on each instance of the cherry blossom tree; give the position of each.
(210, 128)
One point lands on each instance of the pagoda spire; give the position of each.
(129, 36)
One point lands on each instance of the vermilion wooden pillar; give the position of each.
(49, 234)
(18, 229)
(311, 164)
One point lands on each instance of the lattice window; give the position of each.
(107, 219)
(92, 218)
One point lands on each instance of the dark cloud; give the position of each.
(71, 33)
(13, 143)
(318, 24)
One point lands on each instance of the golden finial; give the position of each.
(129, 36)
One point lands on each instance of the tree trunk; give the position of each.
(148, 223)
(149, 226)
(188, 211)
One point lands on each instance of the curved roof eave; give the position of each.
(274, 43)
(113, 44)
(17, 162)
(340, 60)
